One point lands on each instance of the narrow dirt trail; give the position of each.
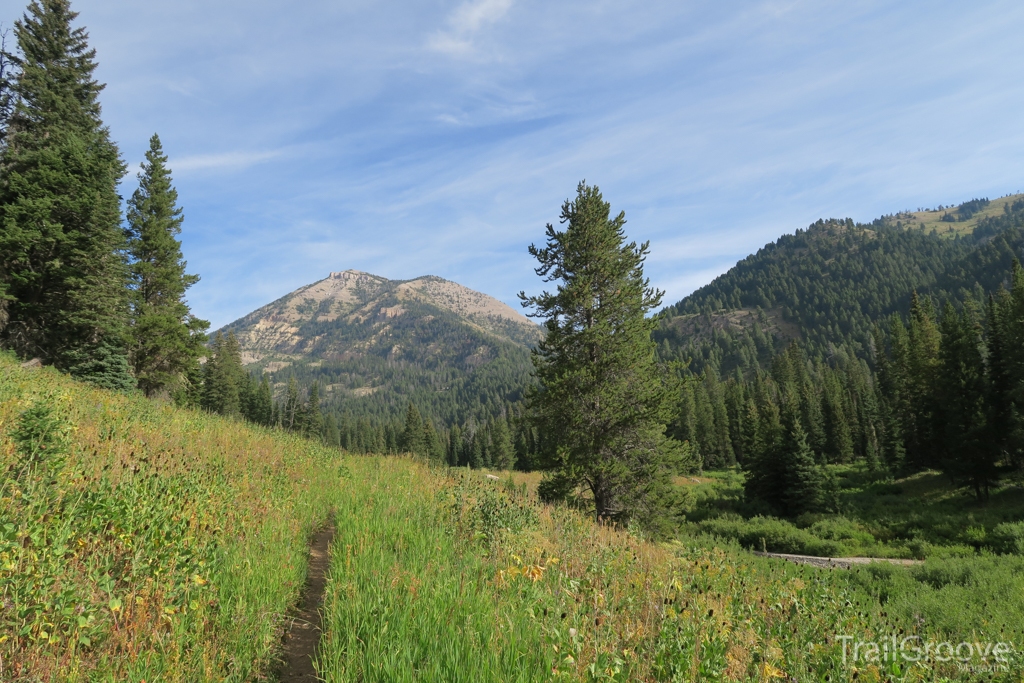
(302, 636)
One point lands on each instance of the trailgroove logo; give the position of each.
(975, 656)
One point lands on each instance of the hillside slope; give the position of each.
(828, 285)
(376, 344)
(168, 545)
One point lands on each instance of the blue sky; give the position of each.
(438, 137)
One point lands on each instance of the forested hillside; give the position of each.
(828, 285)
(882, 343)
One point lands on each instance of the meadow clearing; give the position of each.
(141, 542)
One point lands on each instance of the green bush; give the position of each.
(841, 529)
(1007, 537)
(772, 534)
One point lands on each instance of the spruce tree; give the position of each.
(503, 455)
(432, 447)
(923, 360)
(765, 477)
(62, 273)
(803, 482)
(331, 435)
(166, 340)
(603, 400)
(968, 453)
(412, 440)
(290, 414)
(455, 446)
(223, 376)
(313, 426)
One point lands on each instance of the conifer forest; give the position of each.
(408, 480)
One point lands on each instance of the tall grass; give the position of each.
(409, 601)
(143, 543)
(441, 575)
(157, 545)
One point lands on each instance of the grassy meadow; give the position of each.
(929, 220)
(146, 543)
(143, 542)
(917, 517)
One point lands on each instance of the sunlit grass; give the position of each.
(167, 547)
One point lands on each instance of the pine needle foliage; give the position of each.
(603, 400)
(166, 340)
(62, 270)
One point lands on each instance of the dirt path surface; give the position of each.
(835, 562)
(304, 627)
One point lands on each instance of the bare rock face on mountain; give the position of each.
(372, 341)
(352, 312)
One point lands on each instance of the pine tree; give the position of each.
(803, 482)
(968, 453)
(412, 440)
(264, 404)
(223, 376)
(838, 442)
(455, 446)
(476, 451)
(603, 400)
(765, 481)
(432, 448)
(166, 340)
(313, 425)
(331, 435)
(62, 273)
(290, 415)
(503, 456)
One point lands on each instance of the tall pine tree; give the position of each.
(166, 340)
(62, 270)
(603, 400)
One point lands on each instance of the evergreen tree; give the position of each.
(803, 488)
(503, 455)
(264, 413)
(603, 401)
(455, 446)
(412, 440)
(765, 480)
(432, 447)
(290, 415)
(475, 450)
(331, 435)
(166, 340)
(838, 442)
(923, 360)
(222, 376)
(313, 425)
(62, 273)
(968, 453)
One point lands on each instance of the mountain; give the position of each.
(829, 285)
(375, 345)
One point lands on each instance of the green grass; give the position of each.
(914, 517)
(154, 544)
(932, 220)
(411, 601)
(146, 543)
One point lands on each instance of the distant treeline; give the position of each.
(223, 386)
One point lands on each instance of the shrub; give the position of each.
(1007, 537)
(772, 534)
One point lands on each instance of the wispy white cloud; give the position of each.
(356, 138)
(236, 160)
(465, 23)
